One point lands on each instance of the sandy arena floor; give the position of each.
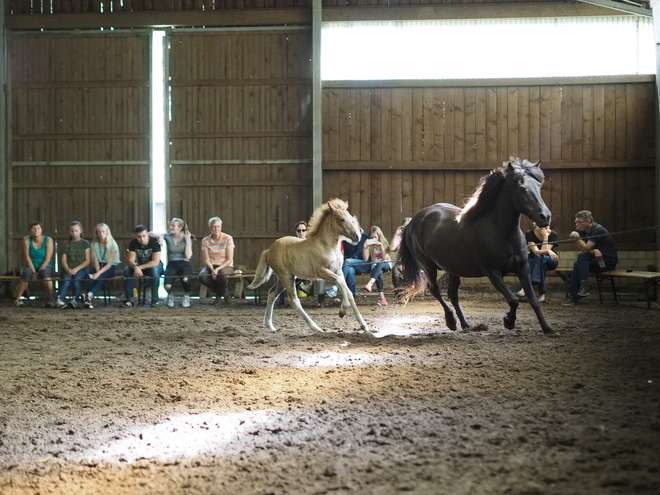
(208, 401)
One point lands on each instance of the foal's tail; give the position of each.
(413, 278)
(264, 271)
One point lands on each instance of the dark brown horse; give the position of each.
(481, 239)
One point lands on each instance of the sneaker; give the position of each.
(570, 301)
(51, 304)
(130, 303)
(382, 301)
(154, 303)
(367, 287)
(170, 300)
(583, 292)
(73, 304)
(186, 302)
(332, 291)
(88, 304)
(60, 304)
(19, 303)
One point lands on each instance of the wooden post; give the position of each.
(317, 126)
(4, 155)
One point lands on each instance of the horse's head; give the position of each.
(525, 181)
(345, 224)
(334, 219)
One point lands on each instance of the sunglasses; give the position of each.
(301, 230)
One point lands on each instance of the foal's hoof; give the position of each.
(508, 323)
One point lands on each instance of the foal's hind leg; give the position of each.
(274, 291)
(434, 289)
(294, 301)
(454, 284)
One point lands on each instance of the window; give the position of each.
(466, 49)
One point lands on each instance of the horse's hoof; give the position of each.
(341, 315)
(550, 332)
(509, 324)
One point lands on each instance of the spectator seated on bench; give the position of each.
(143, 260)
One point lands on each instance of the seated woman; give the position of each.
(218, 254)
(179, 251)
(38, 252)
(541, 242)
(74, 260)
(105, 258)
(376, 250)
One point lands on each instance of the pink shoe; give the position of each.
(367, 287)
(383, 301)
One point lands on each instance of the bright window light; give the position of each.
(467, 49)
(158, 132)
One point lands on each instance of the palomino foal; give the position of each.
(316, 257)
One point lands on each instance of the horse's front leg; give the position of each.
(347, 299)
(526, 282)
(498, 282)
(294, 301)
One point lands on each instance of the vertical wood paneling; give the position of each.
(82, 102)
(245, 96)
(579, 125)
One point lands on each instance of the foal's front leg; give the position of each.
(347, 299)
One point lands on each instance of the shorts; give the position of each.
(27, 273)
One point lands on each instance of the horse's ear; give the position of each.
(538, 164)
(510, 167)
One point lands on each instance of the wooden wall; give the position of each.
(240, 134)
(79, 133)
(390, 151)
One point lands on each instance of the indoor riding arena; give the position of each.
(244, 118)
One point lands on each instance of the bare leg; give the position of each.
(22, 285)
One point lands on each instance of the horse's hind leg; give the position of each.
(434, 289)
(294, 301)
(273, 292)
(452, 292)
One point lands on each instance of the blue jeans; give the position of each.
(377, 270)
(585, 264)
(95, 285)
(351, 267)
(538, 266)
(129, 281)
(76, 280)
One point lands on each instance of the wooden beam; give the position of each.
(468, 11)
(471, 83)
(620, 6)
(162, 19)
(483, 166)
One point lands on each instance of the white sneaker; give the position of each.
(60, 304)
(186, 301)
(170, 300)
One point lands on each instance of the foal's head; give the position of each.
(333, 219)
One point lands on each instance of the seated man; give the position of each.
(354, 262)
(143, 260)
(597, 254)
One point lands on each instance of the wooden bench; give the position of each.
(243, 280)
(651, 281)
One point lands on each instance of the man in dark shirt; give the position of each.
(143, 260)
(597, 254)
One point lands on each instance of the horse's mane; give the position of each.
(485, 196)
(316, 219)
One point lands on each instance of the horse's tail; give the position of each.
(263, 273)
(413, 278)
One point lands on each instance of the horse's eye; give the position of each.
(343, 219)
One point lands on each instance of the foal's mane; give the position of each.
(316, 221)
(485, 196)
